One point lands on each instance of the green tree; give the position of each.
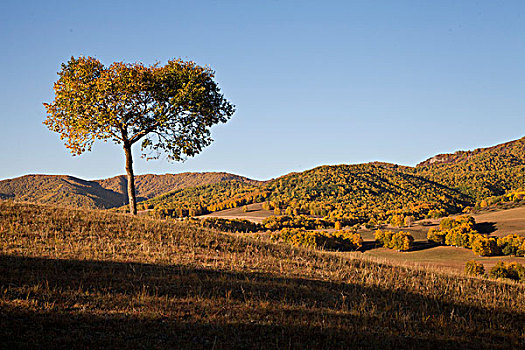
(170, 108)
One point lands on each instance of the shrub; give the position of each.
(484, 246)
(474, 268)
(512, 245)
(512, 271)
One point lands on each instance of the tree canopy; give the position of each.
(169, 108)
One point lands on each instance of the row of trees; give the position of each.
(205, 199)
(274, 223)
(338, 240)
(231, 225)
(512, 197)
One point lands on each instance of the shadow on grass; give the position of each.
(422, 245)
(97, 304)
(417, 245)
(485, 227)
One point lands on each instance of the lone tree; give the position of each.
(170, 108)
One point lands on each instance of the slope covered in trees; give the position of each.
(481, 173)
(363, 191)
(373, 192)
(355, 193)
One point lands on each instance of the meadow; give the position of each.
(97, 279)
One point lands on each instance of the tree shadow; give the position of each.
(485, 227)
(100, 304)
(422, 245)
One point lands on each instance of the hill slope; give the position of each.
(108, 193)
(64, 190)
(82, 279)
(151, 185)
(342, 191)
(481, 173)
(362, 189)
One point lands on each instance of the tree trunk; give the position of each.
(131, 179)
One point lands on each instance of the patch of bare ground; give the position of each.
(91, 279)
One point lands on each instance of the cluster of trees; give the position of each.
(513, 270)
(457, 232)
(338, 240)
(300, 221)
(231, 225)
(401, 241)
(512, 245)
(474, 268)
(460, 232)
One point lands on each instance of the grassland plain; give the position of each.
(92, 279)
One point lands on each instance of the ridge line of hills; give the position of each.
(447, 182)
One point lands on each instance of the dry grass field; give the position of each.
(255, 213)
(499, 223)
(508, 221)
(92, 279)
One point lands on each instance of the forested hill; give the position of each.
(362, 189)
(441, 185)
(352, 192)
(70, 191)
(481, 173)
(445, 183)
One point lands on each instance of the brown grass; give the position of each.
(255, 213)
(93, 279)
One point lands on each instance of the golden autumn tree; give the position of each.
(170, 108)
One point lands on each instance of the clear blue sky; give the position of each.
(314, 82)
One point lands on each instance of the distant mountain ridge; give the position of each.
(443, 181)
(151, 185)
(64, 190)
(462, 156)
(70, 191)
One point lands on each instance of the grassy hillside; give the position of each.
(65, 190)
(72, 278)
(481, 173)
